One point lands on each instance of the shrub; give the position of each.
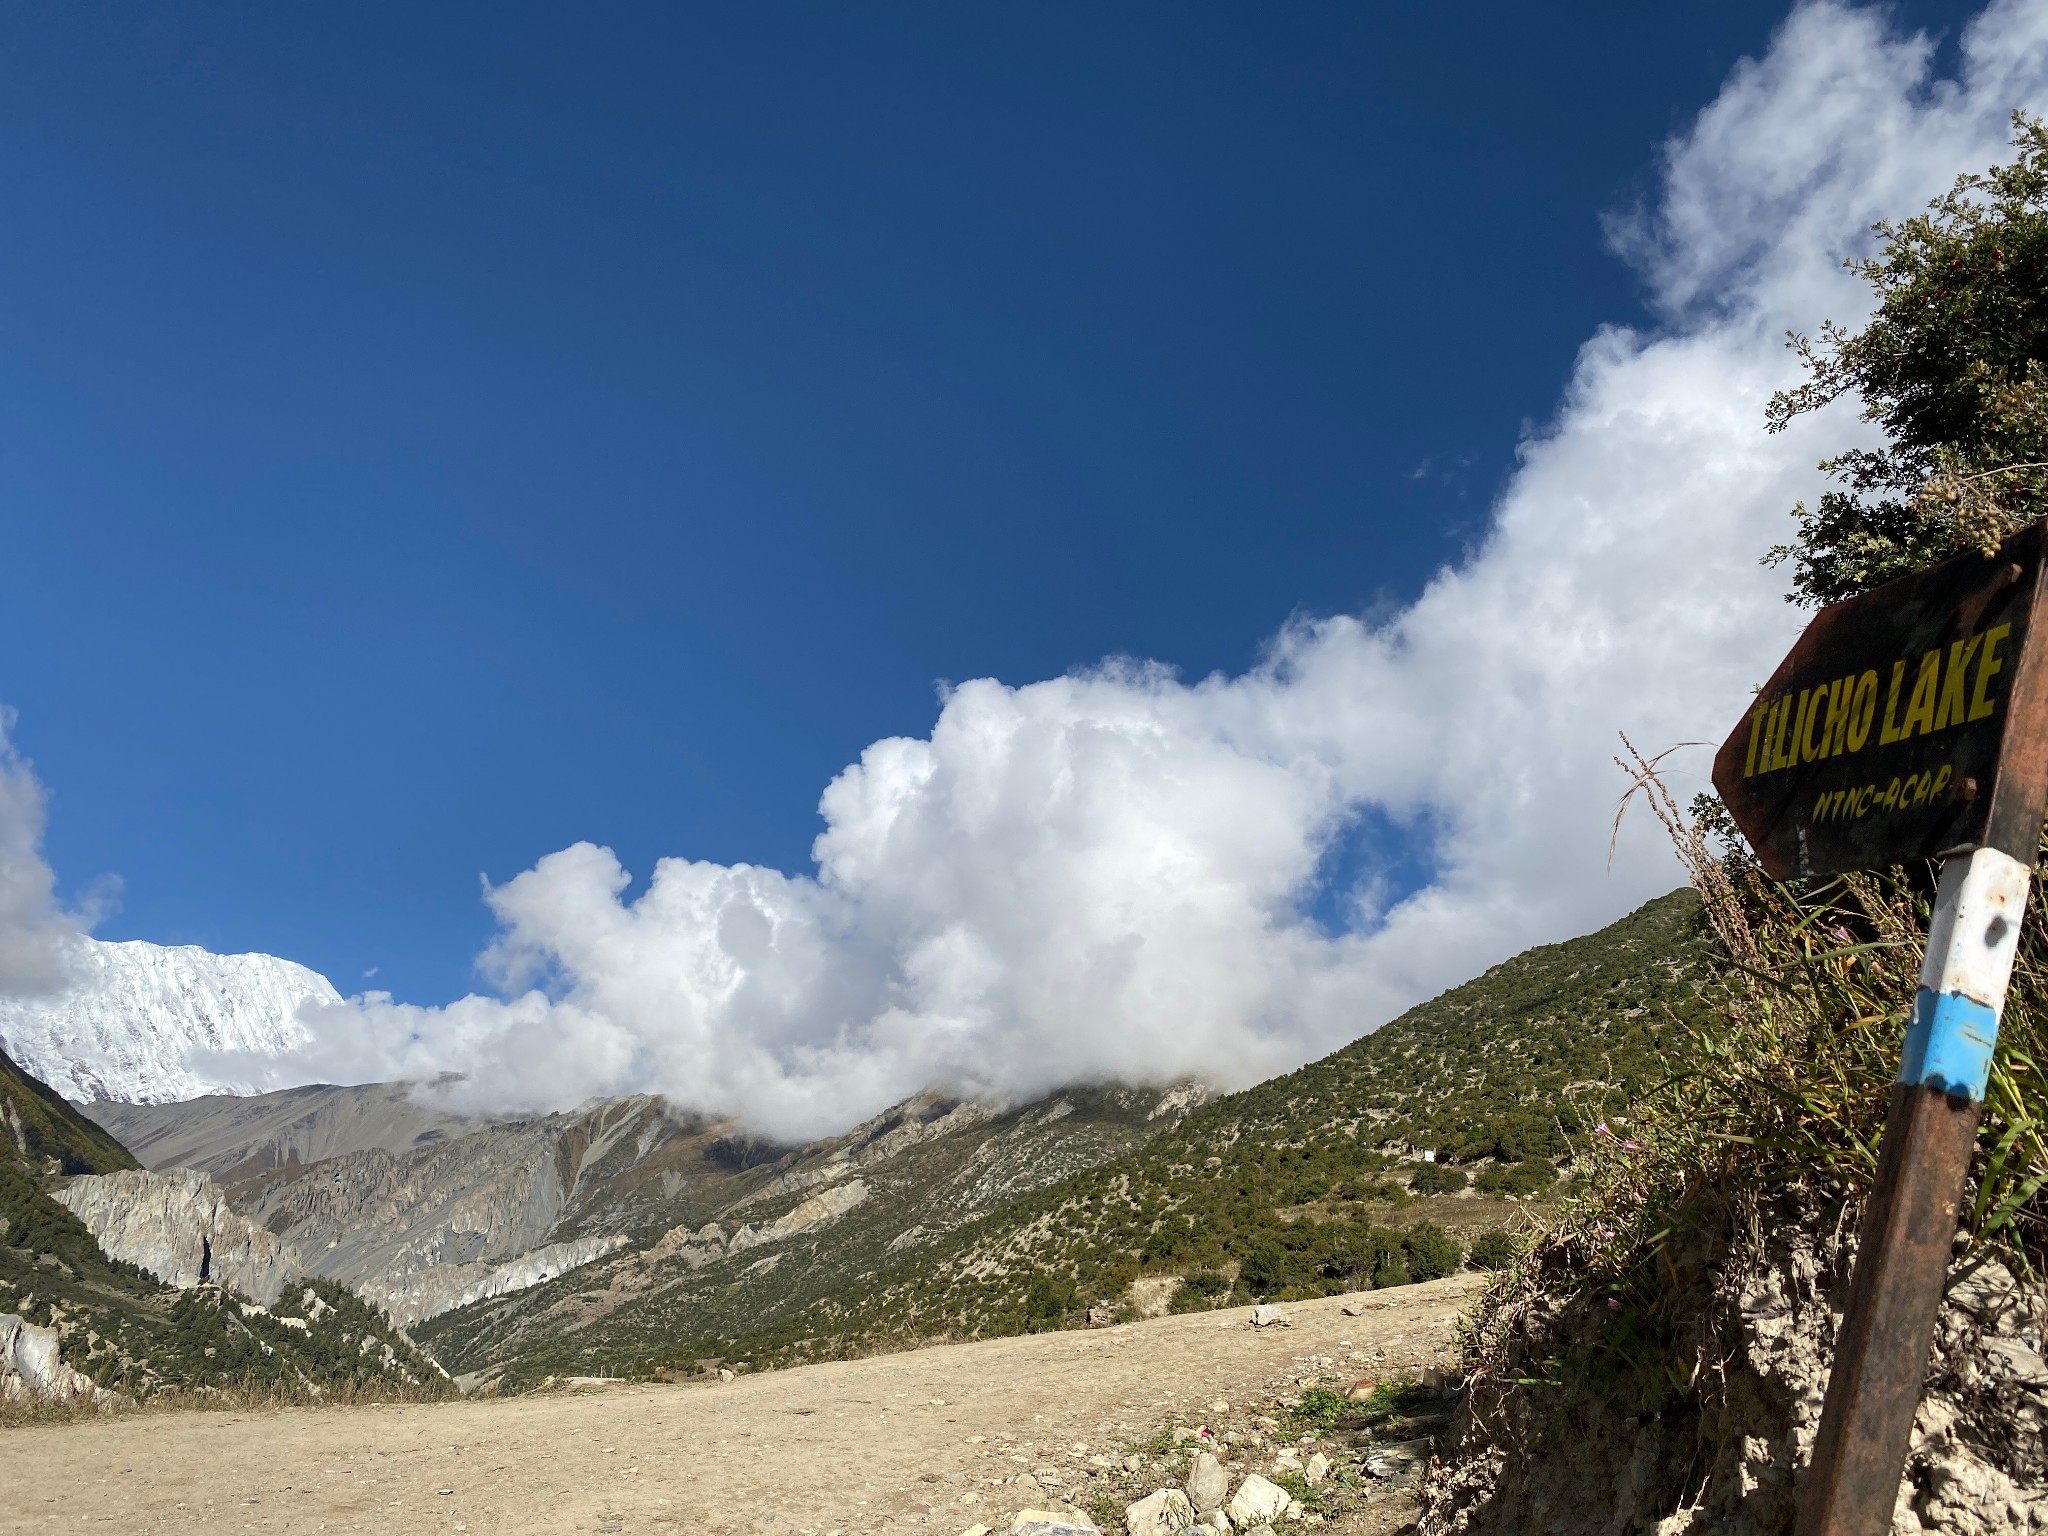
(1198, 1291)
(1320, 1408)
(1518, 1179)
(1165, 1245)
(1392, 1269)
(1432, 1252)
(1437, 1179)
(1265, 1270)
(1047, 1303)
(1493, 1250)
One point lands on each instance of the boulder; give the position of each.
(1395, 1461)
(1258, 1502)
(30, 1369)
(1267, 1316)
(1160, 1514)
(1046, 1522)
(1208, 1484)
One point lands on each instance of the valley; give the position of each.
(1310, 1184)
(621, 1239)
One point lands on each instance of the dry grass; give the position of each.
(1782, 1092)
(245, 1397)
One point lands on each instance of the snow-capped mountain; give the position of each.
(141, 1022)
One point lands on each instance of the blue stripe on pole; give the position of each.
(1949, 1044)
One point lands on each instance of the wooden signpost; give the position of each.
(1911, 722)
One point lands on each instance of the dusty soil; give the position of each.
(899, 1443)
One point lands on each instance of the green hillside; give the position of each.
(129, 1332)
(1309, 1184)
(47, 1133)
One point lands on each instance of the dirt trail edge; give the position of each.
(907, 1442)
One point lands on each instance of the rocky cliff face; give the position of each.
(180, 1228)
(443, 1288)
(149, 1023)
(429, 1228)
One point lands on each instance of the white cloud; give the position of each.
(34, 930)
(1103, 875)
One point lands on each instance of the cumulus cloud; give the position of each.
(1109, 874)
(34, 930)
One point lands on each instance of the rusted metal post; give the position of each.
(1909, 1226)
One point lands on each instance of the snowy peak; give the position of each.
(148, 1023)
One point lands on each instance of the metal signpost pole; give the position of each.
(1909, 1226)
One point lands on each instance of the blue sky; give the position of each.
(433, 436)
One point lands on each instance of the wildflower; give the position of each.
(1601, 1129)
(1631, 1146)
(1613, 1304)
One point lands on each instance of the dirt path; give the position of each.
(901, 1443)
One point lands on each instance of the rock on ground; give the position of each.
(1164, 1513)
(1043, 1522)
(1208, 1483)
(1259, 1501)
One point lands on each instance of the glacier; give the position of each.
(154, 1024)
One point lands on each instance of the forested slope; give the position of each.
(132, 1334)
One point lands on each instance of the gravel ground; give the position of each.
(929, 1441)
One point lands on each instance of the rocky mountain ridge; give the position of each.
(804, 1226)
(423, 1211)
(235, 1137)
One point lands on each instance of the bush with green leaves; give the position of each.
(1047, 1303)
(1494, 1249)
(1432, 1252)
(1953, 364)
(1438, 1179)
(1519, 1180)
